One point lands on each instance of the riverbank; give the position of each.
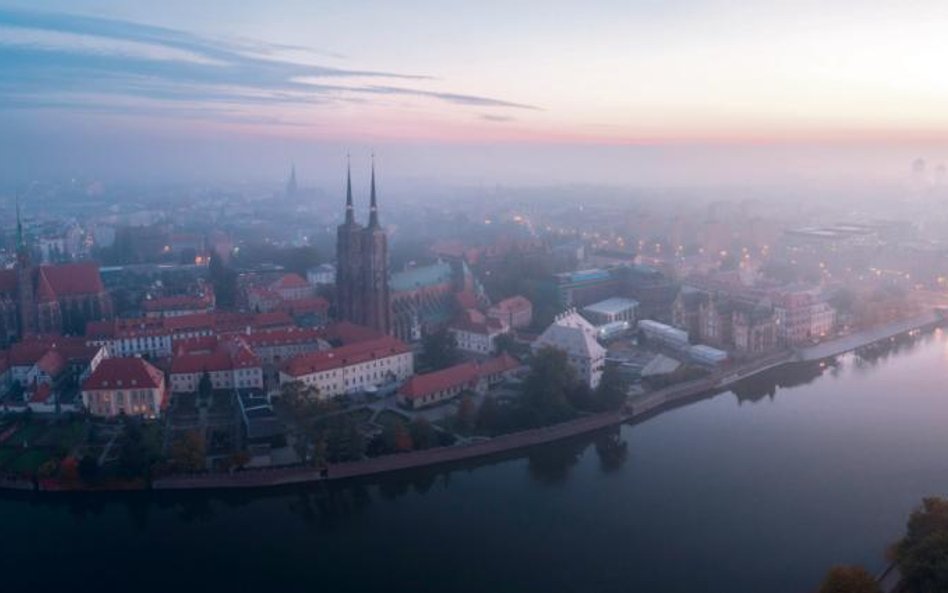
(639, 410)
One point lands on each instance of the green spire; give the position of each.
(373, 204)
(20, 243)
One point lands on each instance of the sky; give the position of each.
(634, 91)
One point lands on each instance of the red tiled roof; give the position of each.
(124, 373)
(466, 299)
(498, 364)
(42, 394)
(514, 303)
(29, 351)
(177, 302)
(209, 354)
(350, 333)
(294, 335)
(74, 279)
(52, 363)
(458, 375)
(342, 356)
(310, 305)
(428, 383)
(44, 290)
(290, 281)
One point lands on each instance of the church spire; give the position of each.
(373, 204)
(350, 214)
(20, 242)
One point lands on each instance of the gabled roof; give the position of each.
(512, 304)
(459, 375)
(52, 363)
(210, 354)
(287, 281)
(125, 373)
(80, 278)
(347, 333)
(572, 333)
(428, 383)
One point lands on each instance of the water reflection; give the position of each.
(765, 385)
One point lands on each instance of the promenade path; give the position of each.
(389, 463)
(868, 336)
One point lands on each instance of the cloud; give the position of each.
(496, 118)
(98, 62)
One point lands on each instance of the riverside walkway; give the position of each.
(869, 336)
(388, 463)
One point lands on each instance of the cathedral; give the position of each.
(362, 280)
(49, 299)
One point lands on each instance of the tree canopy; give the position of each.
(849, 579)
(922, 554)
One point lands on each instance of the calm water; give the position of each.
(757, 490)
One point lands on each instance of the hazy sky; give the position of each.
(720, 89)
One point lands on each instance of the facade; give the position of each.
(571, 333)
(49, 298)
(50, 361)
(430, 389)
(322, 275)
(803, 316)
(475, 333)
(183, 304)
(666, 335)
(230, 363)
(738, 319)
(362, 278)
(351, 368)
(515, 312)
(125, 386)
(611, 310)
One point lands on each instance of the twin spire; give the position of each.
(373, 201)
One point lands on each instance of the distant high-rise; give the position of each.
(291, 187)
(362, 283)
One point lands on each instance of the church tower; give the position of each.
(362, 289)
(291, 186)
(378, 306)
(24, 279)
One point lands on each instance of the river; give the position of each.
(759, 489)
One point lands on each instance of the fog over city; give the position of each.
(474, 296)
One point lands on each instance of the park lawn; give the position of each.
(388, 418)
(6, 455)
(27, 434)
(66, 435)
(29, 461)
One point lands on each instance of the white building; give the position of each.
(230, 364)
(664, 334)
(611, 310)
(477, 334)
(351, 368)
(571, 333)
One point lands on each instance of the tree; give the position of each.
(505, 343)
(423, 434)
(440, 350)
(224, 280)
(611, 392)
(205, 386)
(849, 579)
(546, 388)
(88, 468)
(135, 456)
(467, 414)
(922, 554)
(488, 416)
(188, 452)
